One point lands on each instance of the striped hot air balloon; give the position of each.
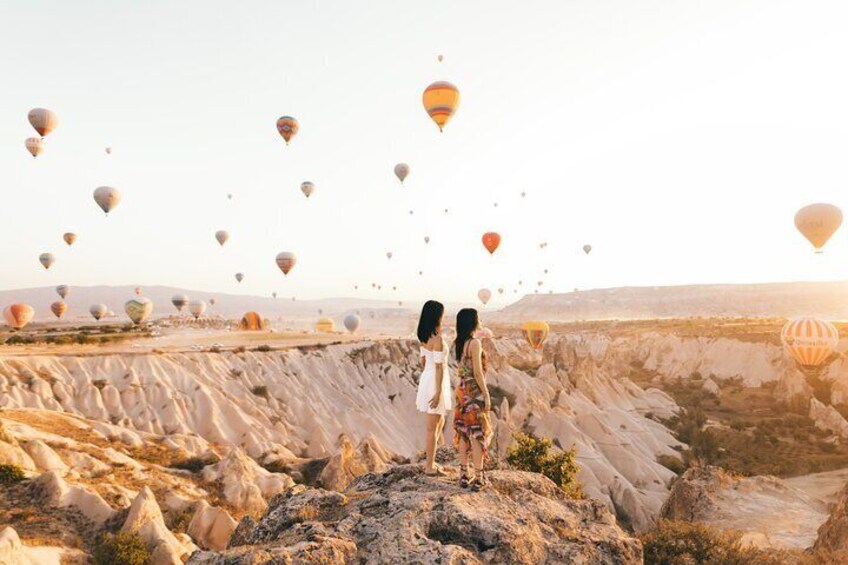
(35, 146)
(59, 308)
(286, 260)
(42, 120)
(810, 341)
(536, 332)
(325, 325)
(441, 99)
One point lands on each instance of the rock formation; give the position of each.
(832, 538)
(768, 512)
(145, 519)
(401, 516)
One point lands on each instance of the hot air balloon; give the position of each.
(108, 150)
(274, 295)
(62, 290)
(107, 198)
(817, 222)
(441, 99)
(587, 249)
(42, 120)
(810, 341)
(426, 239)
(97, 311)
(307, 188)
(35, 146)
(287, 126)
(46, 260)
(325, 325)
(484, 294)
(536, 332)
(137, 291)
(138, 309)
(229, 196)
(401, 171)
(351, 322)
(69, 238)
(212, 302)
(179, 301)
(440, 58)
(239, 277)
(491, 241)
(388, 254)
(18, 315)
(197, 308)
(286, 260)
(252, 321)
(58, 308)
(222, 236)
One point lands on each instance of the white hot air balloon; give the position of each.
(307, 188)
(46, 260)
(62, 290)
(97, 311)
(179, 301)
(35, 146)
(42, 120)
(351, 322)
(107, 198)
(197, 308)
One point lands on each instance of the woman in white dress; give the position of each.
(434, 389)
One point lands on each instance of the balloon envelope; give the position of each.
(222, 236)
(535, 332)
(62, 290)
(69, 238)
(401, 171)
(138, 309)
(179, 301)
(47, 260)
(252, 321)
(58, 308)
(97, 311)
(43, 120)
(107, 198)
(484, 294)
(351, 322)
(18, 315)
(288, 127)
(810, 341)
(325, 325)
(286, 260)
(441, 99)
(491, 241)
(587, 249)
(307, 188)
(35, 146)
(817, 222)
(239, 277)
(197, 308)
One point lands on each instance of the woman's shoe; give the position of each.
(479, 482)
(464, 479)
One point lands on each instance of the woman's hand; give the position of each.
(435, 401)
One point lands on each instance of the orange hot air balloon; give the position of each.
(59, 308)
(491, 241)
(18, 315)
(69, 238)
(325, 325)
(817, 222)
(441, 99)
(288, 127)
(286, 260)
(810, 341)
(252, 321)
(536, 332)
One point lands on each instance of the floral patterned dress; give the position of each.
(470, 419)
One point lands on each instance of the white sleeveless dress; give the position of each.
(427, 383)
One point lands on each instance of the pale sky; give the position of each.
(678, 138)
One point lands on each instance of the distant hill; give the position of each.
(825, 299)
(81, 298)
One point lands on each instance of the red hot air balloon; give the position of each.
(491, 241)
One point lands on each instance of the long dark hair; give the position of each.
(430, 320)
(467, 322)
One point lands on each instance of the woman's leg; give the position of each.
(433, 424)
(477, 455)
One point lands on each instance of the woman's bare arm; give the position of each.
(479, 375)
(437, 345)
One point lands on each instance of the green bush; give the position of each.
(684, 543)
(530, 453)
(194, 464)
(672, 463)
(260, 390)
(121, 549)
(11, 474)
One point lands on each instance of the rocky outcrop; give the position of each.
(14, 552)
(833, 535)
(402, 516)
(243, 483)
(351, 462)
(211, 526)
(54, 492)
(828, 418)
(145, 519)
(793, 391)
(769, 512)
